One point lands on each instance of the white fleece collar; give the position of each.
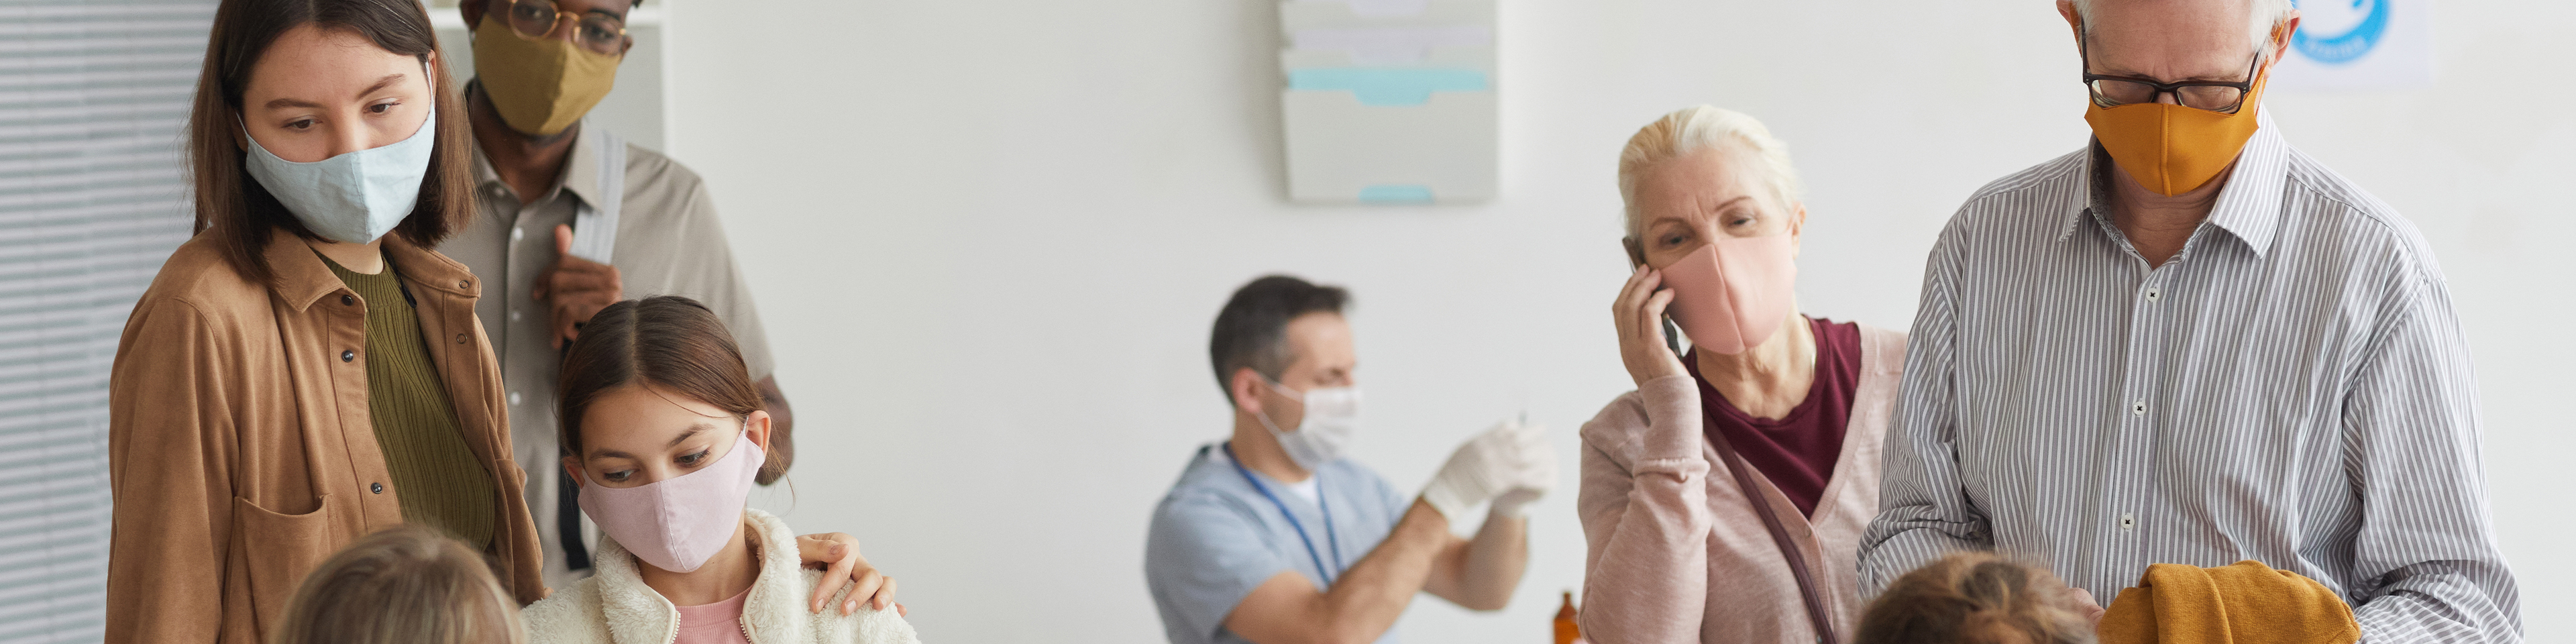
(774, 613)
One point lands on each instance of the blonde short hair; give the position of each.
(1687, 131)
(404, 585)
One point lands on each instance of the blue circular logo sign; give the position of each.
(2335, 49)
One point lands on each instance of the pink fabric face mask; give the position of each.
(678, 523)
(1732, 294)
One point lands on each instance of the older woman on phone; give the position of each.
(1723, 500)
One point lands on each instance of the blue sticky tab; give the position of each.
(1384, 86)
(1396, 193)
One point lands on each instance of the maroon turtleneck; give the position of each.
(1796, 451)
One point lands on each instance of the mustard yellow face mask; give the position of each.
(542, 86)
(2173, 149)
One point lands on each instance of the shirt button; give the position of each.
(2153, 293)
(347, 300)
(518, 233)
(348, 356)
(378, 488)
(514, 315)
(514, 398)
(2128, 521)
(2138, 408)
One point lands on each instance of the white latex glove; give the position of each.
(1505, 458)
(1537, 476)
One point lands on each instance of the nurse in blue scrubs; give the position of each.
(1274, 537)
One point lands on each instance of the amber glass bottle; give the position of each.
(1566, 631)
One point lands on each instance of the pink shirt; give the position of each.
(717, 623)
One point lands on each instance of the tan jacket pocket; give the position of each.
(278, 550)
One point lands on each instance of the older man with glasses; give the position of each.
(2189, 343)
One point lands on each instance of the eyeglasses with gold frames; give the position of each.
(537, 19)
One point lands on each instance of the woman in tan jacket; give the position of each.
(307, 370)
(1723, 500)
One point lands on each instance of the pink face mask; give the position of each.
(1732, 294)
(678, 523)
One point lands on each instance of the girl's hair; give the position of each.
(406, 585)
(239, 210)
(670, 342)
(1972, 598)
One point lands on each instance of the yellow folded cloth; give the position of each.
(2247, 603)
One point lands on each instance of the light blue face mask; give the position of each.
(355, 197)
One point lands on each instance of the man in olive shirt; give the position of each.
(537, 168)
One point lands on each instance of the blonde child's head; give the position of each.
(404, 585)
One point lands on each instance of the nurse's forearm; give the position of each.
(1366, 600)
(1494, 561)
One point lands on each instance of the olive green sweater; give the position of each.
(435, 473)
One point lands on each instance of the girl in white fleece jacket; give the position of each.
(664, 431)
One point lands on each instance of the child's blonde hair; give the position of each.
(404, 585)
(1973, 598)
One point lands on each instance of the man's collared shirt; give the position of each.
(669, 242)
(2293, 387)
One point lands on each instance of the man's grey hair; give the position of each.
(2261, 16)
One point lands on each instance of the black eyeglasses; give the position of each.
(2217, 96)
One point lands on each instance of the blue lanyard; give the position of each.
(1333, 540)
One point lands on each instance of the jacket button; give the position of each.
(460, 338)
(347, 300)
(348, 356)
(378, 488)
(463, 283)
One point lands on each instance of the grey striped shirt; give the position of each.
(2292, 388)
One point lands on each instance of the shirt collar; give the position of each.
(579, 172)
(2249, 206)
(302, 279)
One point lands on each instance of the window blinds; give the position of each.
(93, 99)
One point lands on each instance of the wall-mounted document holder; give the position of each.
(1389, 101)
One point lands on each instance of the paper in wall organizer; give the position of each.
(1295, 15)
(1389, 101)
(1343, 150)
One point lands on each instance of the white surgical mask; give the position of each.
(1332, 417)
(355, 197)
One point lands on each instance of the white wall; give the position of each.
(988, 238)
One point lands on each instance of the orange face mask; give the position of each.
(2172, 149)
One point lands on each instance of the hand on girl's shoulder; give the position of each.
(867, 626)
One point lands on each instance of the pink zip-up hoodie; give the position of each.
(1676, 552)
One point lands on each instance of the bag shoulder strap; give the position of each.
(1807, 590)
(594, 226)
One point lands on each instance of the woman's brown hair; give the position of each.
(240, 211)
(670, 342)
(405, 585)
(1973, 598)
